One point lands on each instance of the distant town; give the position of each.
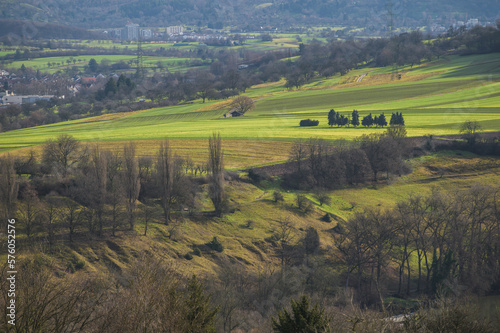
(132, 32)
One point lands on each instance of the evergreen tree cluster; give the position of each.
(335, 118)
(397, 119)
(370, 120)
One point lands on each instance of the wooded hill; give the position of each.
(11, 31)
(251, 14)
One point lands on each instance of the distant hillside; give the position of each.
(13, 29)
(251, 14)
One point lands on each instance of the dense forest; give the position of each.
(251, 15)
(13, 32)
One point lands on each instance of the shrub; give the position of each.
(311, 241)
(71, 268)
(80, 264)
(303, 203)
(277, 196)
(323, 198)
(326, 218)
(254, 176)
(309, 122)
(449, 316)
(250, 224)
(188, 256)
(257, 177)
(197, 251)
(231, 175)
(301, 200)
(215, 245)
(301, 319)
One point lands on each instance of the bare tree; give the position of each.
(216, 167)
(29, 210)
(165, 177)
(61, 152)
(470, 131)
(353, 245)
(99, 176)
(357, 166)
(51, 217)
(284, 235)
(204, 83)
(145, 164)
(8, 186)
(44, 304)
(115, 188)
(131, 180)
(298, 154)
(147, 214)
(73, 215)
(242, 104)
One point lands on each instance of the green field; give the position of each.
(435, 98)
(172, 64)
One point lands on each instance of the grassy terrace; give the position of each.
(435, 98)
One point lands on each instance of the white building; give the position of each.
(472, 23)
(131, 31)
(175, 30)
(10, 98)
(146, 33)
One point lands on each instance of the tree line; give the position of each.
(339, 120)
(444, 243)
(320, 164)
(339, 57)
(434, 243)
(74, 187)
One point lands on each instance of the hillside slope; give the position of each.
(250, 232)
(249, 14)
(435, 98)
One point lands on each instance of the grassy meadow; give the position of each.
(42, 64)
(435, 98)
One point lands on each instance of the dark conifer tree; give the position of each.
(338, 120)
(381, 120)
(397, 119)
(355, 118)
(367, 120)
(331, 117)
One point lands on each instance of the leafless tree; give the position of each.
(285, 237)
(298, 153)
(131, 180)
(51, 217)
(72, 215)
(216, 167)
(165, 177)
(99, 177)
(114, 195)
(9, 187)
(61, 152)
(357, 166)
(147, 214)
(29, 210)
(44, 304)
(145, 164)
(242, 104)
(470, 131)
